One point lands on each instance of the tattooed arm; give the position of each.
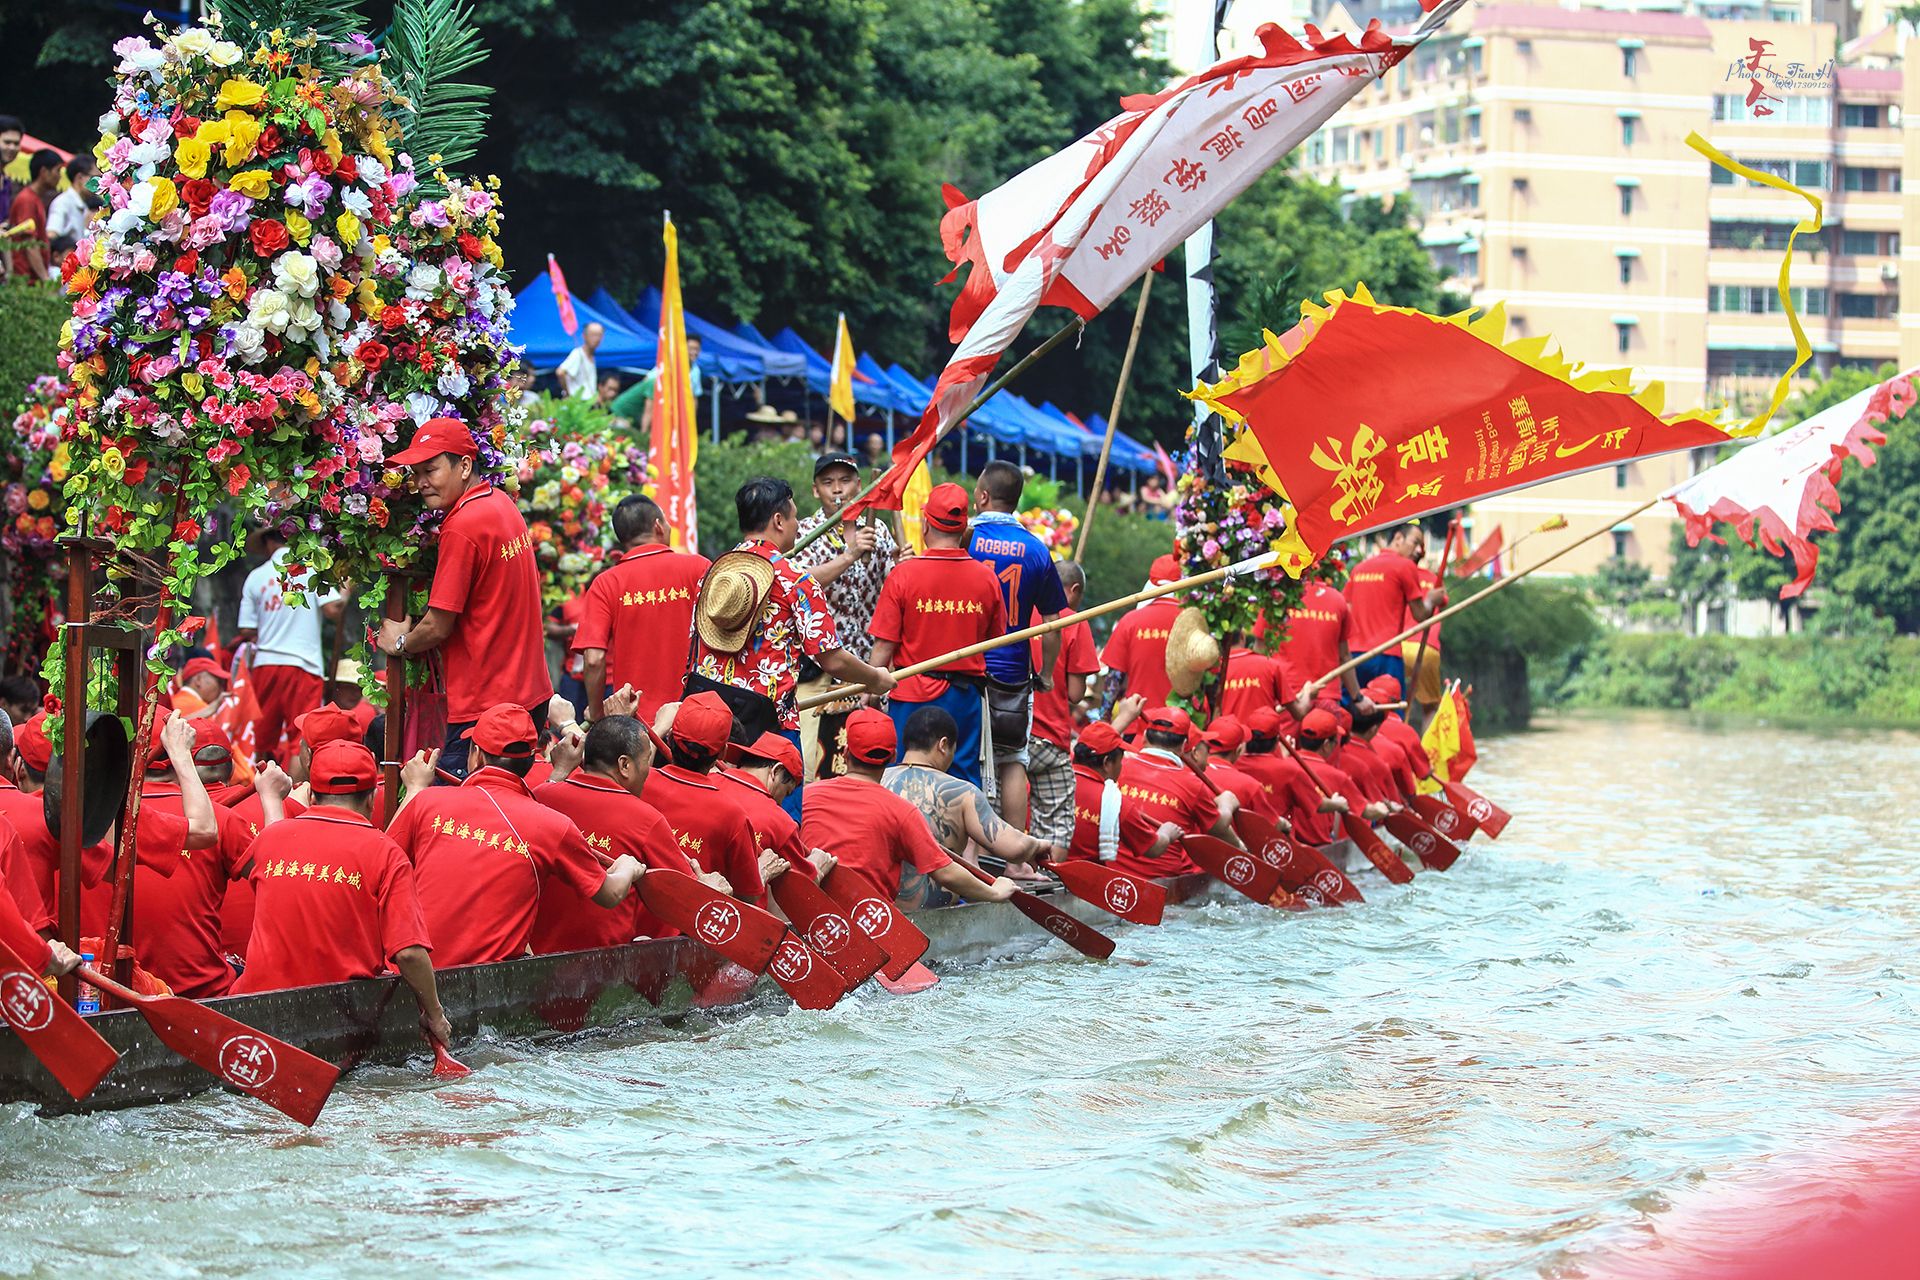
(986, 828)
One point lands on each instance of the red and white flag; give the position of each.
(1077, 228)
(1779, 491)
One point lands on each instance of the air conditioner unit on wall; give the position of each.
(1889, 271)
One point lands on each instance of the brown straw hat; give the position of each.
(1191, 651)
(730, 599)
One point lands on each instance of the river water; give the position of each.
(1689, 958)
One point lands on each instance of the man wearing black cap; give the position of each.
(850, 564)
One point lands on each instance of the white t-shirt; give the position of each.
(582, 374)
(287, 636)
(67, 215)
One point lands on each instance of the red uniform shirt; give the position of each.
(872, 832)
(15, 931)
(481, 853)
(1338, 782)
(709, 825)
(1052, 713)
(1428, 580)
(1364, 767)
(34, 879)
(773, 827)
(1252, 791)
(1137, 830)
(1167, 791)
(1138, 647)
(1390, 754)
(933, 603)
(641, 612)
(1378, 592)
(487, 575)
(1255, 681)
(1315, 638)
(176, 918)
(335, 900)
(613, 821)
(1294, 793)
(236, 912)
(1407, 738)
(16, 868)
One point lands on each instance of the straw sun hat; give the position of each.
(730, 599)
(1191, 651)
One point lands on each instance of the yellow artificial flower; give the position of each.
(382, 243)
(243, 134)
(66, 334)
(98, 259)
(192, 154)
(494, 256)
(194, 383)
(381, 152)
(298, 227)
(349, 228)
(252, 184)
(61, 464)
(212, 132)
(37, 500)
(239, 93)
(113, 462)
(369, 298)
(166, 197)
(330, 141)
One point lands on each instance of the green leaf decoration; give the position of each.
(429, 43)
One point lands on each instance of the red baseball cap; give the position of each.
(1383, 689)
(435, 437)
(204, 666)
(774, 747)
(342, 767)
(326, 723)
(871, 737)
(946, 508)
(1318, 726)
(1226, 734)
(1263, 722)
(1099, 738)
(30, 740)
(1165, 569)
(207, 734)
(1168, 720)
(502, 730)
(1344, 716)
(703, 722)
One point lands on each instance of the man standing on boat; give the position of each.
(1382, 589)
(934, 603)
(482, 850)
(483, 612)
(1135, 659)
(638, 614)
(873, 832)
(957, 812)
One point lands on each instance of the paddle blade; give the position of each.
(879, 919)
(446, 1066)
(1384, 859)
(1304, 870)
(741, 932)
(824, 927)
(1129, 897)
(1084, 938)
(1235, 868)
(1444, 818)
(1433, 849)
(916, 979)
(72, 1052)
(1491, 817)
(288, 1079)
(808, 978)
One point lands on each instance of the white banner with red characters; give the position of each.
(1077, 228)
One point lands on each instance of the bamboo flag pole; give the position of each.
(993, 389)
(1317, 684)
(1113, 417)
(1545, 526)
(1254, 565)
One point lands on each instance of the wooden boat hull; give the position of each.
(375, 1020)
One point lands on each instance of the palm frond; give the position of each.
(429, 43)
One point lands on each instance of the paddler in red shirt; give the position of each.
(483, 612)
(1394, 730)
(873, 832)
(1135, 659)
(482, 851)
(1319, 745)
(603, 798)
(335, 897)
(1106, 822)
(1163, 782)
(1366, 769)
(1299, 801)
(767, 774)
(1381, 590)
(707, 821)
(1255, 680)
(934, 603)
(214, 760)
(1226, 737)
(638, 614)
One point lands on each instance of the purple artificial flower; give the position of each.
(231, 210)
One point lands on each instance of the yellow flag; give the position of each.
(1442, 741)
(919, 487)
(840, 390)
(676, 430)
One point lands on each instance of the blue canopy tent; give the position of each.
(1128, 454)
(873, 393)
(535, 326)
(736, 359)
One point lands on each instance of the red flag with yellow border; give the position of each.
(675, 441)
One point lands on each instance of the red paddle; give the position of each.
(290, 1080)
(824, 926)
(1129, 897)
(72, 1052)
(808, 978)
(1304, 870)
(1433, 849)
(879, 919)
(1384, 859)
(740, 931)
(916, 979)
(1084, 938)
(1491, 817)
(1444, 818)
(1235, 868)
(445, 1065)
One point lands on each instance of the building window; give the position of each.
(1783, 15)
(1865, 306)
(1817, 174)
(1629, 63)
(1523, 115)
(1626, 200)
(1379, 142)
(1474, 63)
(1619, 545)
(1625, 332)
(1450, 126)
(1860, 242)
(1523, 47)
(1626, 270)
(1399, 139)
(1620, 479)
(1860, 115)
(1626, 130)
(1720, 177)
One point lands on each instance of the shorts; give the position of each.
(1050, 779)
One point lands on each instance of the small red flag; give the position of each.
(562, 298)
(1468, 565)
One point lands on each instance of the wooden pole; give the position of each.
(395, 610)
(1502, 584)
(993, 389)
(1113, 417)
(73, 740)
(1065, 620)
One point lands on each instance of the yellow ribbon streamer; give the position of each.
(1802, 348)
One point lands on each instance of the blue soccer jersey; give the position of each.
(1029, 583)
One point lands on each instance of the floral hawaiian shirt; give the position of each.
(794, 623)
(853, 595)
